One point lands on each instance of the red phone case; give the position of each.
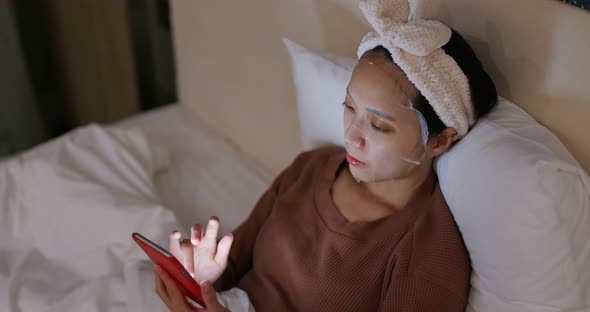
(162, 257)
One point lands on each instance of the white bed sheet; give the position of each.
(69, 206)
(208, 175)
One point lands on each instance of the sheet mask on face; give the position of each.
(385, 136)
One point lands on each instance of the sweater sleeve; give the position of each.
(240, 255)
(415, 294)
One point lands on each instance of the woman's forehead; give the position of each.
(377, 76)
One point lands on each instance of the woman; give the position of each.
(365, 228)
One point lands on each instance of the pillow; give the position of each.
(519, 198)
(320, 84)
(522, 204)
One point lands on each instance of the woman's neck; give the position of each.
(396, 193)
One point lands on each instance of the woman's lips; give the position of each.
(353, 161)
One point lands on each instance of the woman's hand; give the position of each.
(172, 296)
(202, 256)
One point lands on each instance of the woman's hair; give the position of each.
(483, 90)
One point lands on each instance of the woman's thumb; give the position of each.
(210, 297)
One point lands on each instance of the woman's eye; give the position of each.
(376, 128)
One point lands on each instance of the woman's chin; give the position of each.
(361, 175)
(367, 174)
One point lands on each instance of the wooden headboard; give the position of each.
(234, 73)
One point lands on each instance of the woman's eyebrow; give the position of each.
(348, 93)
(373, 110)
(380, 114)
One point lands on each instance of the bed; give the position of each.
(199, 154)
(70, 205)
(236, 126)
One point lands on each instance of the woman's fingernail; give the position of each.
(206, 287)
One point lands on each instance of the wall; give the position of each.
(233, 71)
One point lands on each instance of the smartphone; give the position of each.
(168, 262)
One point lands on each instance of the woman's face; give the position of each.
(381, 130)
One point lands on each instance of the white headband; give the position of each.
(415, 46)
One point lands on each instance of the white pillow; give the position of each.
(521, 202)
(320, 82)
(519, 198)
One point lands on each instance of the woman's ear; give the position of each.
(442, 142)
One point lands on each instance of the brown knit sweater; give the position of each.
(297, 252)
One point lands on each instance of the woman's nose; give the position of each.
(353, 137)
